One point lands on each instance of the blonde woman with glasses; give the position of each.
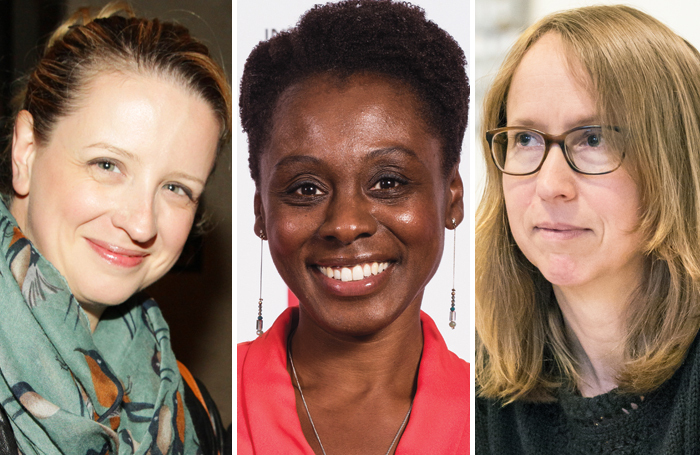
(588, 248)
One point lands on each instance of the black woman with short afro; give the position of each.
(355, 121)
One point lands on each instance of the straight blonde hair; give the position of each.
(645, 79)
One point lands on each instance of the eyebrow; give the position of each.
(391, 151)
(374, 154)
(186, 176)
(294, 159)
(586, 121)
(131, 156)
(114, 149)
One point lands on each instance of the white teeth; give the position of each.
(355, 273)
(345, 274)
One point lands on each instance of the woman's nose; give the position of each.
(137, 216)
(348, 218)
(556, 179)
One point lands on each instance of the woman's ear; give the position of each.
(23, 153)
(455, 206)
(259, 225)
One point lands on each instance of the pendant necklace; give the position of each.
(308, 414)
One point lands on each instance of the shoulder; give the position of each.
(242, 352)
(204, 413)
(441, 404)
(435, 348)
(8, 444)
(270, 345)
(518, 427)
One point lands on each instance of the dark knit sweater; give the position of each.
(666, 421)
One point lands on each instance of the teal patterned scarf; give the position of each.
(69, 391)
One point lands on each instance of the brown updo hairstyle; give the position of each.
(113, 41)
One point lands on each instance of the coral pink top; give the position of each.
(267, 415)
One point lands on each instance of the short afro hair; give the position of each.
(356, 36)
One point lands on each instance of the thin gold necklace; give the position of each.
(308, 414)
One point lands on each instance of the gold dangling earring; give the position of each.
(453, 313)
(259, 322)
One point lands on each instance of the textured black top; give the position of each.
(666, 421)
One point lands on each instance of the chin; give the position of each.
(355, 320)
(563, 277)
(104, 295)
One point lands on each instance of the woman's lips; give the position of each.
(560, 231)
(352, 280)
(116, 255)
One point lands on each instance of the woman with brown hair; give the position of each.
(114, 137)
(588, 256)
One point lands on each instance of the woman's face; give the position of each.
(110, 198)
(351, 183)
(578, 230)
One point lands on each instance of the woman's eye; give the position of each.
(594, 140)
(526, 139)
(386, 183)
(108, 166)
(178, 189)
(308, 189)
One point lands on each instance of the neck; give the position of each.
(352, 365)
(93, 312)
(595, 323)
(18, 209)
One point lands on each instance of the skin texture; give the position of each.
(118, 180)
(353, 175)
(580, 231)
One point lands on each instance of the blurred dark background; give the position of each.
(196, 296)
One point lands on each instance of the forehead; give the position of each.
(326, 94)
(550, 89)
(325, 111)
(153, 118)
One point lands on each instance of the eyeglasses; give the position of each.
(590, 150)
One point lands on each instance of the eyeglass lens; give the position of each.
(593, 150)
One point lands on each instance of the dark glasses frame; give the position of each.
(550, 140)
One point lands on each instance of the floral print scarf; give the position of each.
(69, 391)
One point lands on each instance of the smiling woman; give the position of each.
(354, 144)
(96, 198)
(359, 136)
(114, 139)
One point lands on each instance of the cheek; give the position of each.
(58, 200)
(624, 207)
(516, 197)
(415, 226)
(420, 226)
(174, 228)
(287, 230)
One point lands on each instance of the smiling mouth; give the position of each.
(117, 255)
(354, 273)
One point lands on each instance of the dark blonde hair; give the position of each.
(646, 79)
(114, 40)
